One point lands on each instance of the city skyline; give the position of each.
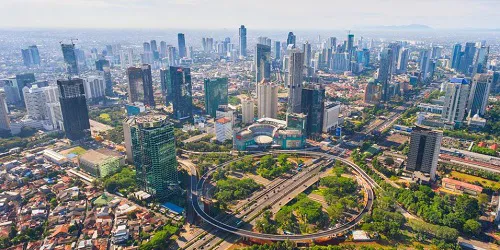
(155, 14)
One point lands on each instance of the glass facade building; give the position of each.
(215, 94)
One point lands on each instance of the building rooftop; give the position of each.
(459, 80)
(94, 157)
(223, 120)
(463, 184)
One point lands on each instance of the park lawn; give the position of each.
(472, 179)
(77, 151)
(319, 191)
(105, 117)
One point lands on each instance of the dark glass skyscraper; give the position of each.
(291, 39)
(262, 63)
(277, 50)
(74, 108)
(243, 41)
(467, 59)
(456, 56)
(182, 45)
(24, 80)
(479, 93)
(31, 57)
(140, 85)
(425, 145)
(182, 98)
(103, 66)
(313, 103)
(384, 72)
(153, 150)
(166, 86)
(215, 94)
(70, 58)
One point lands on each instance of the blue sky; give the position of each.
(255, 14)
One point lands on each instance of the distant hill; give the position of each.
(399, 27)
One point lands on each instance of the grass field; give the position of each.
(78, 150)
(472, 179)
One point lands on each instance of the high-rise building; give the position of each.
(425, 145)
(296, 121)
(31, 56)
(34, 99)
(95, 87)
(182, 45)
(24, 80)
(436, 52)
(70, 59)
(172, 56)
(243, 41)
(479, 93)
(455, 100)
(481, 60)
(153, 152)
(140, 85)
(267, 99)
(215, 94)
(313, 103)
(456, 56)
(103, 66)
(291, 39)
(372, 92)
(295, 79)
(332, 43)
(4, 112)
(166, 86)
(402, 65)
(154, 47)
(182, 98)
(424, 64)
(262, 63)
(467, 59)
(223, 129)
(307, 54)
(163, 49)
(74, 108)
(384, 72)
(330, 116)
(277, 50)
(247, 111)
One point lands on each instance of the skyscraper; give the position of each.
(313, 103)
(34, 99)
(456, 56)
(424, 64)
(70, 58)
(166, 86)
(295, 79)
(384, 72)
(140, 85)
(402, 65)
(425, 145)
(74, 108)
(481, 60)
(103, 66)
(182, 45)
(247, 111)
(332, 43)
(262, 63)
(267, 99)
(4, 112)
(153, 151)
(307, 54)
(182, 98)
(467, 59)
(215, 94)
(31, 57)
(24, 80)
(455, 100)
(277, 50)
(479, 93)
(243, 41)
(291, 39)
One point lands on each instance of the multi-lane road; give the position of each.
(280, 191)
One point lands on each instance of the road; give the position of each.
(286, 190)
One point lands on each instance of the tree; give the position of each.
(472, 227)
(389, 161)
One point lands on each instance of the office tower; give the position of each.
(456, 56)
(277, 50)
(182, 98)
(264, 40)
(330, 116)
(154, 47)
(467, 59)
(339, 62)
(479, 93)
(95, 88)
(70, 58)
(4, 112)
(313, 103)
(247, 111)
(146, 46)
(126, 58)
(262, 63)
(455, 100)
(425, 145)
(291, 39)
(182, 45)
(140, 85)
(11, 91)
(395, 47)
(267, 99)
(307, 54)
(332, 43)
(74, 108)
(295, 79)
(243, 41)
(215, 94)
(481, 60)
(24, 80)
(163, 49)
(103, 66)
(166, 86)
(172, 56)
(350, 43)
(31, 56)
(384, 72)
(34, 99)
(402, 65)
(52, 106)
(153, 151)
(436, 52)
(424, 64)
